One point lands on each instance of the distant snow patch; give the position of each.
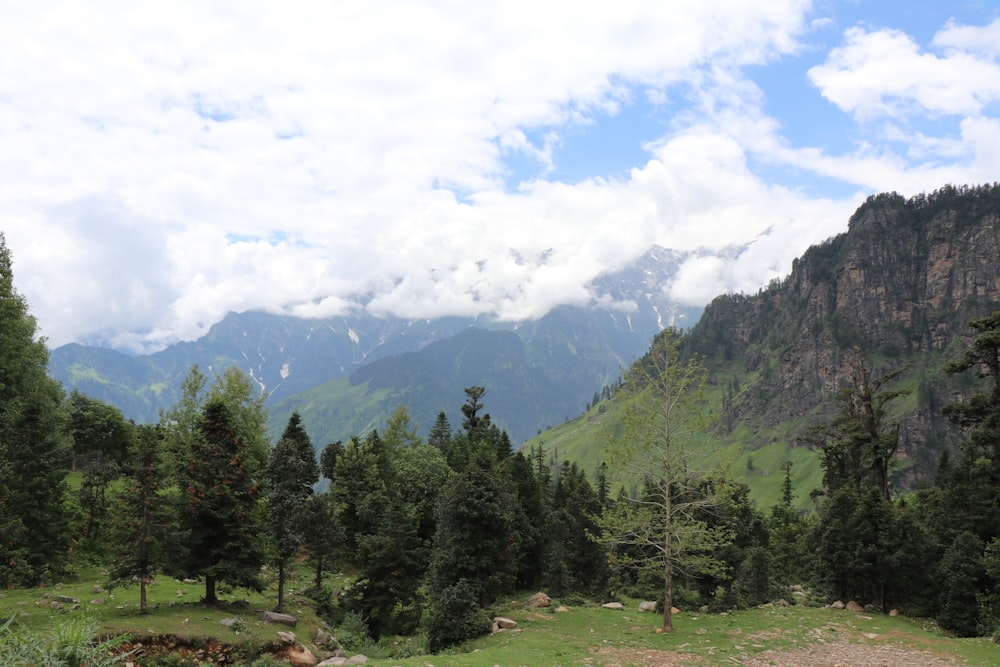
(353, 335)
(285, 372)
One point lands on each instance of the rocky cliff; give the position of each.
(901, 283)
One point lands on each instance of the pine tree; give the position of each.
(142, 526)
(34, 447)
(291, 473)
(219, 511)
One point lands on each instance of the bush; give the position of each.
(455, 617)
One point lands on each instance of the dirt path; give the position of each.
(831, 654)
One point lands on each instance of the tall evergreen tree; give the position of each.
(141, 528)
(291, 473)
(34, 448)
(219, 512)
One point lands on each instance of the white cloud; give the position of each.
(164, 164)
(884, 73)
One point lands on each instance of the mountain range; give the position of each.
(346, 375)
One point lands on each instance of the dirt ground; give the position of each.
(832, 654)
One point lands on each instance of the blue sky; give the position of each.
(166, 163)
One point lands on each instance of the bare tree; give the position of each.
(664, 413)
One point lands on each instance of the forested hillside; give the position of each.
(901, 285)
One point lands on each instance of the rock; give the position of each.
(228, 622)
(647, 605)
(276, 617)
(893, 613)
(561, 609)
(287, 637)
(853, 606)
(539, 599)
(325, 639)
(675, 610)
(358, 659)
(505, 623)
(703, 609)
(300, 656)
(97, 601)
(613, 605)
(336, 661)
(66, 599)
(837, 604)
(782, 603)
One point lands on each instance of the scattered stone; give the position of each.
(228, 622)
(96, 590)
(190, 581)
(703, 609)
(837, 604)
(325, 639)
(893, 613)
(561, 609)
(287, 637)
(276, 617)
(300, 656)
(853, 606)
(613, 605)
(97, 601)
(782, 603)
(539, 599)
(336, 661)
(675, 610)
(647, 605)
(65, 599)
(359, 659)
(505, 623)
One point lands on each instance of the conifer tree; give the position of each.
(291, 473)
(34, 447)
(219, 511)
(142, 527)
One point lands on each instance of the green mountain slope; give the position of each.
(902, 284)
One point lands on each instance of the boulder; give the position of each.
(539, 599)
(505, 623)
(613, 605)
(336, 661)
(228, 622)
(675, 610)
(276, 617)
(325, 639)
(853, 606)
(561, 609)
(97, 601)
(300, 656)
(287, 637)
(837, 604)
(893, 613)
(647, 605)
(358, 659)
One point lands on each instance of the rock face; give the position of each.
(903, 281)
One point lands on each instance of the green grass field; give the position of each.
(582, 634)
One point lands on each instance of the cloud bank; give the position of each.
(164, 164)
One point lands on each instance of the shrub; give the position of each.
(455, 617)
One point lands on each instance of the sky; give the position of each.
(164, 163)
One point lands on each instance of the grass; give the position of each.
(584, 634)
(591, 635)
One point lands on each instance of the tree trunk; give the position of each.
(210, 590)
(142, 596)
(281, 587)
(668, 567)
(319, 572)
